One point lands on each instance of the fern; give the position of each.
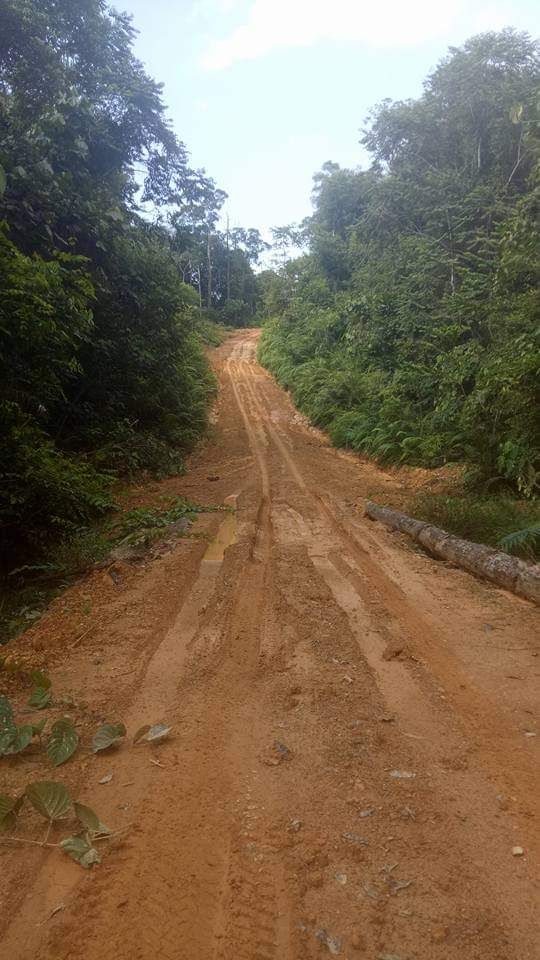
(521, 541)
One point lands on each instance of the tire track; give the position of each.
(279, 649)
(371, 598)
(381, 594)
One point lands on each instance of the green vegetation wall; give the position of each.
(410, 329)
(101, 366)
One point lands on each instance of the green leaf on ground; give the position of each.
(8, 729)
(40, 679)
(9, 808)
(81, 850)
(88, 818)
(108, 735)
(23, 737)
(63, 741)
(6, 739)
(6, 711)
(40, 697)
(49, 798)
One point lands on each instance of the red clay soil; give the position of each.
(353, 755)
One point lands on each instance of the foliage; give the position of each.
(44, 316)
(63, 738)
(212, 334)
(40, 697)
(63, 741)
(31, 585)
(498, 521)
(51, 799)
(409, 330)
(218, 264)
(525, 541)
(108, 735)
(71, 556)
(14, 738)
(152, 519)
(102, 371)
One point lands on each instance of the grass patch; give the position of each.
(497, 521)
(153, 519)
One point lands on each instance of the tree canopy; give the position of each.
(410, 328)
(110, 254)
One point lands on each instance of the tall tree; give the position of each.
(96, 307)
(417, 305)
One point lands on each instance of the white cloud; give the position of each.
(270, 24)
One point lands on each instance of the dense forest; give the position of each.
(408, 326)
(112, 264)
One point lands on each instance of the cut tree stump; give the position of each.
(506, 571)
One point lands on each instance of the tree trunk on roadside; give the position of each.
(502, 569)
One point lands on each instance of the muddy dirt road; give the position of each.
(354, 752)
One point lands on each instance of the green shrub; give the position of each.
(410, 328)
(44, 494)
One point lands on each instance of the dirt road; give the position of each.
(354, 752)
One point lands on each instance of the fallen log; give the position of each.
(506, 571)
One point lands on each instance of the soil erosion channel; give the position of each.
(354, 753)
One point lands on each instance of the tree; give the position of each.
(415, 310)
(99, 365)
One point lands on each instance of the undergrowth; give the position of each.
(494, 520)
(212, 334)
(28, 588)
(152, 519)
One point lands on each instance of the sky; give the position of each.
(263, 92)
